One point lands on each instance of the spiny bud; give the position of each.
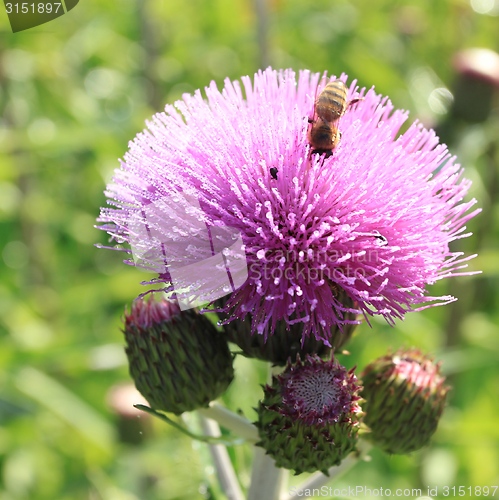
(178, 360)
(309, 417)
(404, 398)
(286, 341)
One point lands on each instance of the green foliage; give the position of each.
(73, 92)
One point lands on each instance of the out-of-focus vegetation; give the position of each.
(73, 92)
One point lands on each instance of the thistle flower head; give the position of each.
(309, 417)
(374, 219)
(404, 398)
(177, 359)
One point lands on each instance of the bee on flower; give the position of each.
(364, 231)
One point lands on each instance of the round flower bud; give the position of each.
(476, 84)
(288, 341)
(404, 398)
(309, 417)
(178, 360)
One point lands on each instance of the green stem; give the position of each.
(225, 470)
(231, 421)
(267, 480)
(204, 439)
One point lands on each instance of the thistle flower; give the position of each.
(178, 361)
(374, 219)
(309, 417)
(404, 398)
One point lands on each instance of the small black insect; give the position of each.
(381, 239)
(273, 172)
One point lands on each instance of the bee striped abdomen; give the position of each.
(332, 101)
(323, 137)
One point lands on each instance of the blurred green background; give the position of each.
(73, 92)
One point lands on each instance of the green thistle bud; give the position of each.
(404, 398)
(286, 341)
(178, 360)
(309, 417)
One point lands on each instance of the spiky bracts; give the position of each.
(287, 341)
(404, 398)
(178, 360)
(309, 417)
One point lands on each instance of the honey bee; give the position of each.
(324, 137)
(332, 101)
(331, 104)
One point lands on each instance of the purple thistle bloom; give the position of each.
(375, 218)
